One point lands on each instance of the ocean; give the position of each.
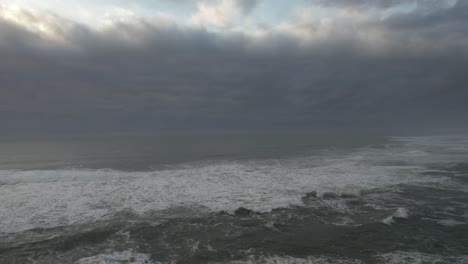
(263, 197)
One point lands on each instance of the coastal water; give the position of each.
(234, 198)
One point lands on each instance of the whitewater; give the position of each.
(399, 181)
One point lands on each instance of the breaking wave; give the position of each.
(51, 198)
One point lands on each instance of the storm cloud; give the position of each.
(354, 69)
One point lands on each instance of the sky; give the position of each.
(122, 65)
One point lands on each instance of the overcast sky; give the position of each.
(167, 64)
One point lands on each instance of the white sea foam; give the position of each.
(401, 213)
(293, 260)
(389, 220)
(449, 149)
(401, 257)
(445, 222)
(398, 257)
(50, 198)
(124, 257)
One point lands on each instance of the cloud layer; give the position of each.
(223, 13)
(348, 69)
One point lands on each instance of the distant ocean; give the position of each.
(234, 198)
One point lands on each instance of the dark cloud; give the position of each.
(432, 4)
(143, 74)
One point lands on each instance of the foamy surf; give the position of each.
(48, 198)
(326, 207)
(401, 257)
(292, 260)
(400, 213)
(397, 257)
(124, 257)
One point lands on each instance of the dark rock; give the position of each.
(348, 195)
(330, 195)
(241, 211)
(311, 195)
(223, 212)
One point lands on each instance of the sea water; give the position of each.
(234, 198)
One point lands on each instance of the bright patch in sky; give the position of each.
(211, 14)
(217, 13)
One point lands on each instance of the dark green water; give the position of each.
(234, 198)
